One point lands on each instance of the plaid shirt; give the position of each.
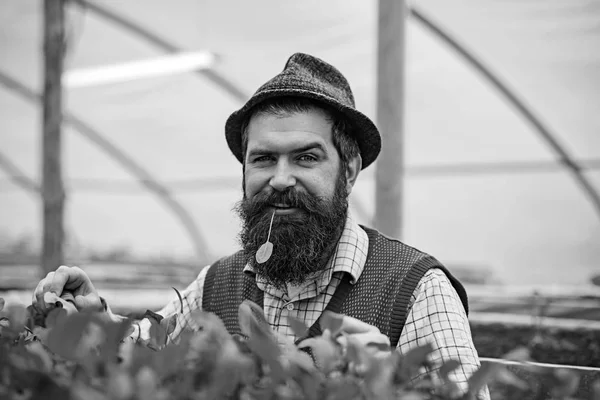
(436, 315)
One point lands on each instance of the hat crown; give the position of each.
(305, 76)
(306, 72)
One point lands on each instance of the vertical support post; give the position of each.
(389, 174)
(53, 194)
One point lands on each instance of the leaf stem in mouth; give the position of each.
(270, 226)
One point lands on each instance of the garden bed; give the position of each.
(548, 344)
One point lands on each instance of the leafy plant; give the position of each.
(70, 355)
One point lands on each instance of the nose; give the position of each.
(283, 177)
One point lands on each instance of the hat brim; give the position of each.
(364, 130)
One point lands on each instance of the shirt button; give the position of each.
(290, 307)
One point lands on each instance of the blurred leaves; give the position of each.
(332, 322)
(89, 356)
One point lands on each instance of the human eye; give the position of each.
(262, 159)
(308, 158)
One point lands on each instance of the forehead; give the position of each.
(313, 124)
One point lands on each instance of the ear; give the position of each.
(352, 171)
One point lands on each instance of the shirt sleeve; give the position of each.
(437, 316)
(191, 297)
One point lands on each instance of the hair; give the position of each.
(342, 134)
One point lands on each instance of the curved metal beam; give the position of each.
(572, 166)
(521, 107)
(162, 44)
(24, 182)
(18, 177)
(129, 164)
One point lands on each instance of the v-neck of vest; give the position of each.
(334, 305)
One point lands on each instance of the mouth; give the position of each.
(282, 209)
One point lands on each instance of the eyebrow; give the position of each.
(307, 147)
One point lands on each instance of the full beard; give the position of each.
(303, 241)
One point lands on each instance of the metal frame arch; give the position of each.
(143, 176)
(521, 107)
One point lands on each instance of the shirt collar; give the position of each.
(350, 255)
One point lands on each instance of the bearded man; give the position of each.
(302, 145)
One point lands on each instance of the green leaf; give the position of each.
(412, 395)
(114, 332)
(409, 364)
(158, 335)
(376, 373)
(65, 338)
(170, 324)
(245, 318)
(200, 320)
(55, 317)
(300, 360)
(258, 314)
(168, 361)
(251, 318)
(385, 347)
(506, 377)
(449, 388)
(23, 360)
(325, 352)
(566, 383)
(232, 369)
(36, 318)
(130, 330)
(309, 381)
(141, 356)
(332, 322)
(356, 354)
(259, 392)
(265, 347)
(147, 383)
(481, 377)
(520, 354)
(80, 391)
(298, 326)
(418, 356)
(43, 359)
(378, 378)
(41, 333)
(447, 368)
(17, 317)
(595, 390)
(41, 384)
(120, 385)
(344, 389)
(260, 337)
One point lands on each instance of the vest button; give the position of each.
(290, 307)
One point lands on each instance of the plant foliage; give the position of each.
(64, 354)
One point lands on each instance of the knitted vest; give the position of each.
(381, 296)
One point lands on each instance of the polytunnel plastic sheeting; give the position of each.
(545, 50)
(527, 238)
(172, 126)
(525, 227)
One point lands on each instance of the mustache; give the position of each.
(290, 197)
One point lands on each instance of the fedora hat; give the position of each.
(310, 77)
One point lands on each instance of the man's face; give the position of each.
(293, 174)
(296, 151)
